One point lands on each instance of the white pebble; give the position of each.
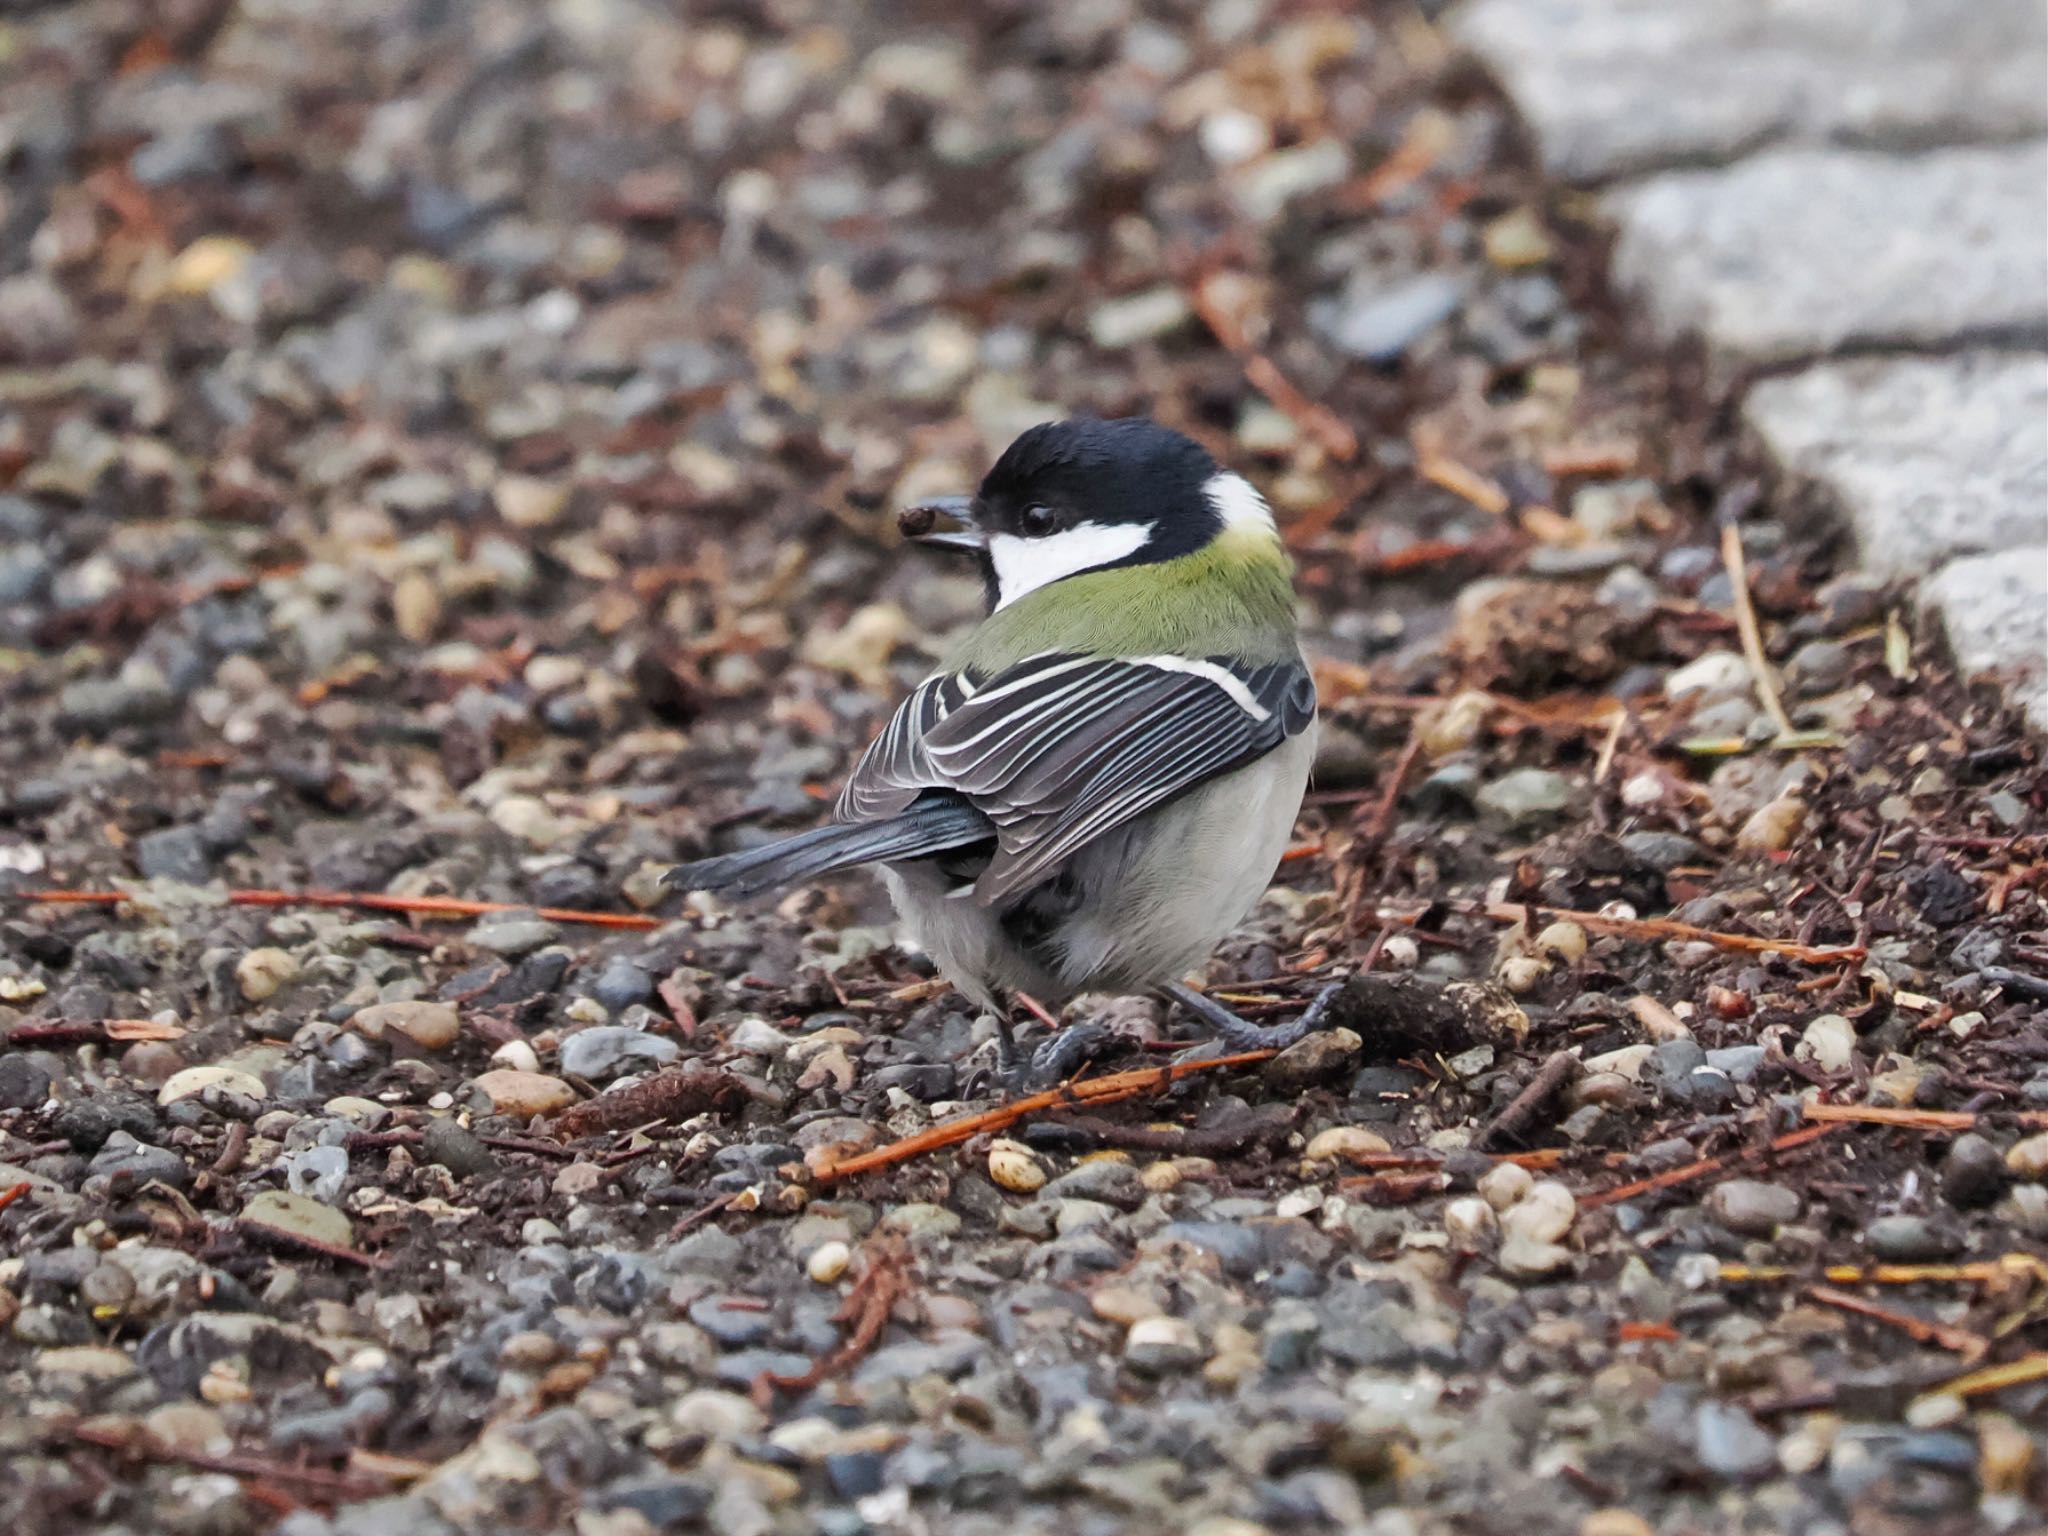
(1543, 1215)
(1470, 1222)
(828, 1261)
(1505, 1183)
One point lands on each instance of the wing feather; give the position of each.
(1060, 748)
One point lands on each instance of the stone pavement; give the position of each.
(1847, 202)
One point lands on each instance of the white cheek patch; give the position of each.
(1237, 503)
(1025, 565)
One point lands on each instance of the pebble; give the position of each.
(1731, 1444)
(1973, 1173)
(1161, 1346)
(1471, 1223)
(320, 1173)
(1753, 1207)
(828, 1261)
(2028, 1159)
(522, 1094)
(446, 1142)
(1543, 1215)
(429, 1026)
(1715, 675)
(1909, 1239)
(1504, 1184)
(1345, 1143)
(194, 1081)
(1013, 1166)
(1378, 322)
(1313, 1060)
(263, 973)
(299, 1216)
(607, 1050)
(512, 936)
(1829, 1042)
(1116, 324)
(1772, 827)
(1526, 797)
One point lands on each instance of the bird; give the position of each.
(1099, 783)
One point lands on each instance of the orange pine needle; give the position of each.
(371, 901)
(1965, 1343)
(1671, 928)
(1113, 1089)
(1673, 1177)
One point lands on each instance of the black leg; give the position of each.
(1243, 1035)
(1006, 1044)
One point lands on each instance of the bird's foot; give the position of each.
(1061, 1056)
(1240, 1034)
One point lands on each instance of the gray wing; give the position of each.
(1060, 748)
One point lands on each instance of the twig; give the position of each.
(1671, 928)
(1382, 818)
(1970, 1346)
(1264, 375)
(1511, 1122)
(1752, 635)
(1101, 1090)
(702, 1214)
(1995, 1378)
(297, 1242)
(885, 1277)
(1672, 1178)
(1997, 1272)
(331, 1485)
(14, 1192)
(1910, 1119)
(371, 901)
(234, 1149)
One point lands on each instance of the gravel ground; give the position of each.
(450, 453)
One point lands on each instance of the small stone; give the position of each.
(1313, 1060)
(197, 1080)
(320, 1173)
(1615, 1522)
(2005, 1454)
(1345, 1143)
(1563, 941)
(299, 1216)
(523, 1094)
(1908, 1239)
(1753, 1207)
(1522, 974)
(1829, 1042)
(1772, 827)
(1973, 1173)
(1731, 1444)
(1526, 796)
(1471, 1223)
(1014, 1167)
(1524, 1256)
(1160, 1346)
(828, 1261)
(263, 973)
(608, 1050)
(1504, 1184)
(512, 936)
(456, 1148)
(2028, 1159)
(1543, 1215)
(920, 1219)
(1936, 1410)
(428, 1025)
(1119, 323)
(1716, 675)
(1379, 321)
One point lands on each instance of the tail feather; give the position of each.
(928, 827)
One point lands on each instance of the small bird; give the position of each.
(1098, 785)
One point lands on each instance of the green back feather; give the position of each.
(1232, 597)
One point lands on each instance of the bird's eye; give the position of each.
(1037, 522)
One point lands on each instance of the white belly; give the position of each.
(1159, 896)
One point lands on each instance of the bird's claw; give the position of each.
(1240, 1034)
(1058, 1058)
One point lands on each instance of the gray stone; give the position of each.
(1526, 796)
(1908, 1239)
(1994, 610)
(1928, 457)
(1731, 1444)
(174, 853)
(511, 935)
(1773, 260)
(735, 1326)
(608, 1050)
(1379, 322)
(1616, 87)
(457, 1149)
(1752, 1207)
